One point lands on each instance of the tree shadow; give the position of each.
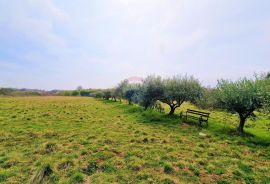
(153, 117)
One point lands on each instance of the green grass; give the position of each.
(84, 140)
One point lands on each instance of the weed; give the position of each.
(91, 167)
(77, 177)
(168, 169)
(42, 174)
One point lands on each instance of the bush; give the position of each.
(85, 92)
(77, 177)
(107, 94)
(98, 94)
(75, 93)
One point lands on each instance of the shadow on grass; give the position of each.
(231, 133)
(153, 117)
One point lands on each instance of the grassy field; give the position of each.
(84, 140)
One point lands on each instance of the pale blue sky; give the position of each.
(56, 44)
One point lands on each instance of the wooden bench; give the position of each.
(196, 115)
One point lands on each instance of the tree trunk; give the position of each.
(242, 123)
(172, 110)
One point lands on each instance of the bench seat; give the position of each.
(196, 115)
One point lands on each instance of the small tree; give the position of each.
(268, 75)
(265, 86)
(85, 92)
(107, 94)
(243, 97)
(152, 89)
(99, 94)
(132, 92)
(172, 91)
(208, 99)
(180, 89)
(79, 88)
(119, 90)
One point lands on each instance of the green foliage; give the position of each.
(132, 93)
(152, 90)
(17, 92)
(119, 90)
(179, 89)
(158, 106)
(42, 174)
(208, 99)
(6, 91)
(168, 169)
(107, 94)
(172, 91)
(91, 167)
(77, 177)
(99, 94)
(75, 93)
(265, 87)
(267, 75)
(85, 92)
(243, 97)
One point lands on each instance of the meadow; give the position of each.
(87, 140)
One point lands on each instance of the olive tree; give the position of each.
(208, 99)
(152, 89)
(132, 93)
(179, 89)
(107, 94)
(243, 97)
(119, 90)
(267, 75)
(171, 91)
(265, 86)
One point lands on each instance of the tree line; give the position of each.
(244, 96)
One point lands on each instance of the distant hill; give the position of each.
(26, 92)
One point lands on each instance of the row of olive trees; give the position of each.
(171, 91)
(243, 96)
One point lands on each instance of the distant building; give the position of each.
(135, 79)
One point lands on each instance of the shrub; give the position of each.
(85, 93)
(168, 169)
(41, 175)
(107, 94)
(91, 167)
(77, 177)
(75, 93)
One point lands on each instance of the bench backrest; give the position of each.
(205, 114)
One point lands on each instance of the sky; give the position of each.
(56, 44)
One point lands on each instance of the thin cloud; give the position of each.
(56, 44)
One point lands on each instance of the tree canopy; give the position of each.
(243, 97)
